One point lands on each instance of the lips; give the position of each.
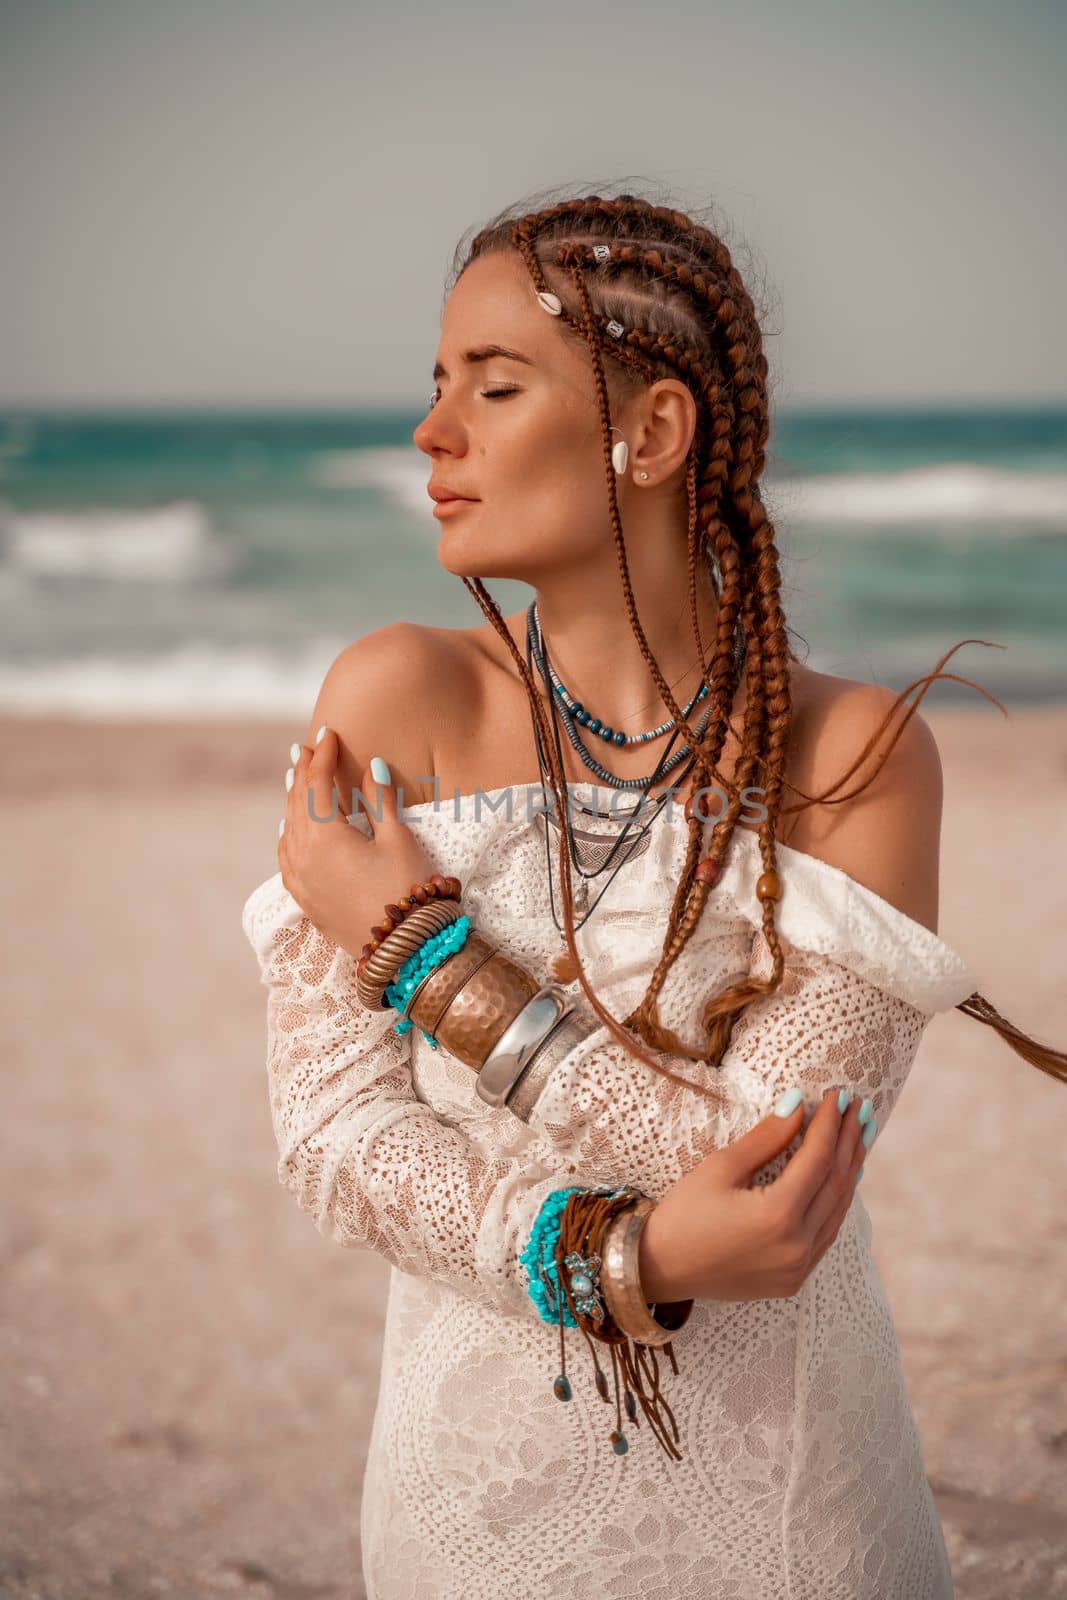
(441, 492)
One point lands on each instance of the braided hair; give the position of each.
(672, 285)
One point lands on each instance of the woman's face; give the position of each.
(523, 438)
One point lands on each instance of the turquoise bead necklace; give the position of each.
(632, 838)
(563, 703)
(615, 736)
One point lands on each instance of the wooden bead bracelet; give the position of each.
(420, 894)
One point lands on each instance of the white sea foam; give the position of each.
(955, 492)
(200, 679)
(170, 543)
(401, 474)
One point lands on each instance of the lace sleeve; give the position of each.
(360, 1151)
(861, 983)
(826, 1025)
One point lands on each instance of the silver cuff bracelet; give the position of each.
(558, 1043)
(515, 1048)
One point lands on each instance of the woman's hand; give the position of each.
(714, 1237)
(339, 878)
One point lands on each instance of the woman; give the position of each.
(757, 940)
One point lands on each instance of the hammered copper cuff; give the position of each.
(429, 1001)
(476, 1011)
(620, 1281)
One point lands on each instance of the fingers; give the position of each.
(807, 1171)
(827, 1233)
(835, 1196)
(312, 787)
(318, 768)
(302, 775)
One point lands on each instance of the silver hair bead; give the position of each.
(616, 329)
(601, 252)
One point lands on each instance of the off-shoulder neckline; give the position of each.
(803, 860)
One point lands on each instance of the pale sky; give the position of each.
(244, 202)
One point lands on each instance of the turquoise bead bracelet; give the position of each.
(437, 949)
(539, 1254)
(539, 1258)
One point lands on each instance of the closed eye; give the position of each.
(487, 394)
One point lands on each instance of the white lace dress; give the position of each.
(802, 1473)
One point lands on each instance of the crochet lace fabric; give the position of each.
(802, 1472)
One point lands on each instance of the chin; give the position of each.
(464, 560)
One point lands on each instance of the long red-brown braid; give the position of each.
(775, 687)
(641, 1019)
(684, 273)
(748, 383)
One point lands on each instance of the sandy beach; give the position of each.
(190, 1371)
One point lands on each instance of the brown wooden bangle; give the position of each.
(375, 975)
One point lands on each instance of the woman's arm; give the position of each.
(824, 1026)
(360, 1152)
(827, 1024)
(377, 1170)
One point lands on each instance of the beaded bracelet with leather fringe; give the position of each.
(582, 1224)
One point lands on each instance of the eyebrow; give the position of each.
(485, 352)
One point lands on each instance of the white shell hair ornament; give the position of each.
(620, 452)
(551, 302)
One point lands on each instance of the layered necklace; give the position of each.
(594, 853)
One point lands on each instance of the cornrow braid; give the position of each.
(685, 312)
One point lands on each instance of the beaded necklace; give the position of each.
(535, 644)
(585, 719)
(562, 963)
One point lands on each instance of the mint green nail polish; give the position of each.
(869, 1132)
(320, 736)
(843, 1099)
(379, 771)
(788, 1102)
(865, 1112)
(860, 1173)
(294, 752)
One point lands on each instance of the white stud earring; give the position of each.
(551, 303)
(643, 474)
(620, 453)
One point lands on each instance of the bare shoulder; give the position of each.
(887, 838)
(376, 698)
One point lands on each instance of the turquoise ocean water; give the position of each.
(213, 564)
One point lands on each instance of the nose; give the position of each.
(437, 432)
(422, 434)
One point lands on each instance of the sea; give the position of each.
(212, 564)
